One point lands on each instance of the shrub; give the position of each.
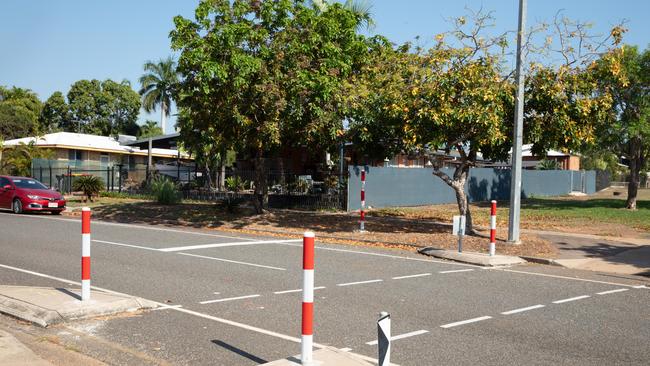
(164, 191)
(231, 204)
(113, 194)
(235, 184)
(90, 185)
(547, 164)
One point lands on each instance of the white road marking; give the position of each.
(346, 349)
(298, 290)
(358, 283)
(99, 222)
(232, 261)
(563, 277)
(386, 255)
(401, 336)
(217, 293)
(190, 312)
(521, 310)
(473, 320)
(571, 299)
(641, 286)
(412, 276)
(228, 299)
(612, 291)
(457, 270)
(124, 245)
(167, 307)
(219, 245)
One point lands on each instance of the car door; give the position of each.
(5, 194)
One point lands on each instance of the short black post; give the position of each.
(119, 178)
(40, 169)
(112, 178)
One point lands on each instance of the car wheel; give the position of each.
(56, 212)
(17, 206)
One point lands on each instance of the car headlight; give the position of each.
(33, 197)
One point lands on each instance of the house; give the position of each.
(82, 150)
(566, 161)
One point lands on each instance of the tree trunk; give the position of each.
(633, 185)
(457, 183)
(163, 117)
(208, 174)
(260, 196)
(222, 170)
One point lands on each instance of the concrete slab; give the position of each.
(14, 353)
(478, 259)
(629, 262)
(325, 357)
(46, 305)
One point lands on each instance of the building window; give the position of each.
(74, 155)
(103, 159)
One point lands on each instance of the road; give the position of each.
(234, 300)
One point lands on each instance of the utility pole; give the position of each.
(515, 183)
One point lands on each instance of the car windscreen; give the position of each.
(28, 183)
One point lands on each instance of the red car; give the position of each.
(21, 194)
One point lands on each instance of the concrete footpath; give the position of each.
(325, 357)
(14, 353)
(45, 306)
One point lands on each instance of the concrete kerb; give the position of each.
(14, 353)
(478, 259)
(45, 306)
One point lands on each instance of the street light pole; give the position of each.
(515, 183)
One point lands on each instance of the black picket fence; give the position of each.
(335, 201)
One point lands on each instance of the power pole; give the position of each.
(515, 183)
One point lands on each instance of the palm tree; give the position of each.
(361, 8)
(156, 87)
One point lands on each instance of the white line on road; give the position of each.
(232, 261)
(612, 291)
(641, 286)
(571, 299)
(219, 245)
(401, 336)
(99, 222)
(521, 310)
(346, 349)
(473, 320)
(563, 277)
(124, 245)
(298, 290)
(358, 283)
(456, 270)
(228, 299)
(412, 276)
(167, 307)
(190, 312)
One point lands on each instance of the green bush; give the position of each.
(231, 204)
(547, 164)
(113, 194)
(90, 185)
(235, 184)
(164, 191)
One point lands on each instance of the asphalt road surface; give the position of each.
(235, 300)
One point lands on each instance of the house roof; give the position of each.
(526, 151)
(80, 141)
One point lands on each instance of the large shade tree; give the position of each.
(157, 86)
(258, 75)
(19, 112)
(457, 98)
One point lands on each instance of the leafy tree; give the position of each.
(458, 96)
(149, 129)
(624, 73)
(55, 114)
(17, 159)
(103, 107)
(258, 75)
(157, 86)
(19, 111)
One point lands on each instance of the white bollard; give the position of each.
(307, 341)
(493, 227)
(85, 254)
(383, 338)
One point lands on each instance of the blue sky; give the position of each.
(47, 45)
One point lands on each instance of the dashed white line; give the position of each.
(563, 277)
(358, 283)
(412, 276)
(571, 299)
(473, 320)
(124, 245)
(232, 244)
(521, 310)
(401, 336)
(167, 307)
(297, 290)
(346, 349)
(641, 286)
(232, 261)
(612, 291)
(228, 299)
(456, 270)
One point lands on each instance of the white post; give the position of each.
(383, 338)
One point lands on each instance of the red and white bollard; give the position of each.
(85, 254)
(362, 221)
(306, 354)
(493, 227)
